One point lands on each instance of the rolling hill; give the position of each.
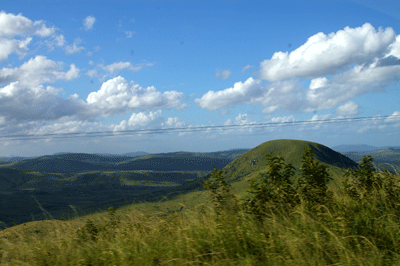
(100, 189)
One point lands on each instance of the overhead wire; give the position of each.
(184, 129)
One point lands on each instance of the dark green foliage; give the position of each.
(275, 190)
(221, 194)
(364, 183)
(314, 181)
(375, 197)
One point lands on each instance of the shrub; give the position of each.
(224, 201)
(272, 191)
(314, 180)
(276, 191)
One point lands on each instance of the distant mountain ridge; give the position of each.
(360, 148)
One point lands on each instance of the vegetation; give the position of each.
(283, 219)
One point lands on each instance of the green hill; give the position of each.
(193, 229)
(94, 191)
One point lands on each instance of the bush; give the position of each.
(277, 192)
(314, 181)
(273, 191)
(224, 201)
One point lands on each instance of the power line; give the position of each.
(187, 129)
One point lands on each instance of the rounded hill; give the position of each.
(254, 160)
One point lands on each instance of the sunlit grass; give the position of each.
(362, 230)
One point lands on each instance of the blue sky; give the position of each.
(95, 66)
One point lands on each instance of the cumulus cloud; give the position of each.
(21, 102)
(223, 75)
(36, 71)
(88, 22)
(329, 54)
(374, 54)
(117, 96)
(26, 104)
(152, 120)
(74, 48)
(240, 93)
(11, 25)
(9, 46)
(17, 25)
(326, 94)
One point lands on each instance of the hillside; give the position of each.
(82, 162)
(97, 190)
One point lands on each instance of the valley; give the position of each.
(93, 182)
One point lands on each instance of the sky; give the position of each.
(199, 76)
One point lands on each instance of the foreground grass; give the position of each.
(351, 230)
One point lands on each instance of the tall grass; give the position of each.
(280, 222)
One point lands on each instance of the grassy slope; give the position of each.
(237, 173)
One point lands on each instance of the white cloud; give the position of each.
(117, 96)
(376, 67)
(118, 66)
(246, 67)
(349, 108)
(60, 40)
(92, 73)
(141, 120)
(37, 71)
(395, 48)
(43, 31)
(223, 75)
(88, 22)
(24, 105)
(240, 93)
(74, 48)
(350, 84)
(12, 25)
(27, 104)
(327, 55)
(10, 46)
